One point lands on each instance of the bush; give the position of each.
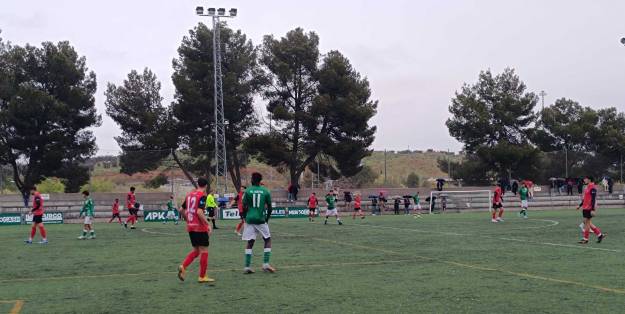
(99, 185)
(51, 185)
(412, 181)
(156, 182)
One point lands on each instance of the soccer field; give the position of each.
(449, 263)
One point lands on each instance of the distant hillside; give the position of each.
(399, 165)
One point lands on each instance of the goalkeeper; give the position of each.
(87, 210)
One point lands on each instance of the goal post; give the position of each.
(441, 201)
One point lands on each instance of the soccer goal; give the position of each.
(441, 201)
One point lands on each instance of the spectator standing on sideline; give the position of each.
(407, 204)
(347, 197)
(396, 206)
(374, 205)
(515, 187)
(580, 185)
(569, 186)
(289, 191)
(295, 191)
(610, 186)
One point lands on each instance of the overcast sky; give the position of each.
(416, 54)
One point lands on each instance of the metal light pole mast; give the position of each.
(221, 168)
(542, 94)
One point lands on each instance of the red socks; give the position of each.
(203, 263)
(189, 259)
(239, 226)
(500, 212)
(596, 230)
(33, 230)
(494, 214)
(42, 231)
(586, 234)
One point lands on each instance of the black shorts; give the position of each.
(198, 238)
(357, 209)
(37, 219)
(587, 213)
(497, 205)
(312, 209)
(210, 211)
(116, 215)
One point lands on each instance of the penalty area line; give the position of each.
(484, 268)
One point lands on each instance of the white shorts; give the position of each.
(332, 212)
(171, 214)
(524, 203)
(416, 207)
(87, 220)
(250, 231)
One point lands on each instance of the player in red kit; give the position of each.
(240, 206)
(37, 218)
(198, 227)
(312, 207)
(358, 206)
(497, 204)
(130, 206)
(588, 211)
(115, 210)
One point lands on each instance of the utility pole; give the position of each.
(385, 167)
(566, 161)
(171, 174)
(448, 164)
(221, 168)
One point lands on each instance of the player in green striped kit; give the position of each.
(257, 211)
(87, 210)
(524, 194)
(172, 212)
(332, 211)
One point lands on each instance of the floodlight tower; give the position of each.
(221, 168)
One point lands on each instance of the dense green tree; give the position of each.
(318, 108)
(567, 132)
(493, 118)
(149, 132)
(47, 106)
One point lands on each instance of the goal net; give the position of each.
(441, 201)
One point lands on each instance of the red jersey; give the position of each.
(590, 195)
(194, 202)
(130, 200)
(37, 204)
(357, 201)
(240, 201)
(115, 208)
(497, 195)
(312, 202)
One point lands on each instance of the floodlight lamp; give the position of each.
(233, 12)
(211, 11)
(221, 11)
(199, 10)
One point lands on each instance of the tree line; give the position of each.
(318, 110)
(505, 136)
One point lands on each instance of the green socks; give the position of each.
(248, 258)
(266, 256)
